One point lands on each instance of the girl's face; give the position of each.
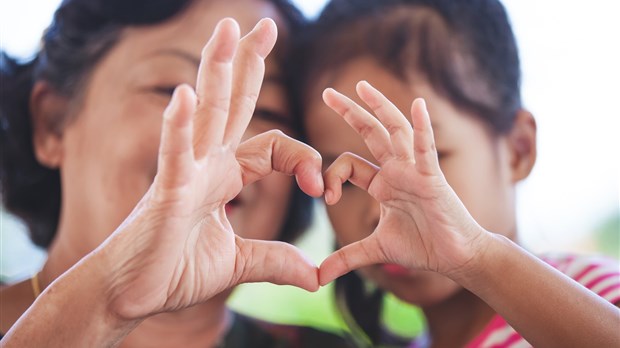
(474, 161)
(109, 151)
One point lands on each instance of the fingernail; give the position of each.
(328, 196)
(423, 102)
(319, 180)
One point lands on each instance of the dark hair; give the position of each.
(81, 33)
(464, 49)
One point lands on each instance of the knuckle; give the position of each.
(217, 103)
(276, 133)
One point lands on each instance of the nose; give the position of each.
(372, 213)
(249, 132)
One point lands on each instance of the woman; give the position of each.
(94, 97)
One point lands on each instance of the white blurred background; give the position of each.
(570, 54)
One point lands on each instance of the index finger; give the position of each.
(261, 155)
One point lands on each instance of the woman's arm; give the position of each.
(73, 311)
(425, 226)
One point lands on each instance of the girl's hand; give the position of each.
(177, 248)
(423, 224)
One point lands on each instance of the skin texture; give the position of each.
(428, 202)
(108, 150)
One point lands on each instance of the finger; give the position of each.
(275, 262)
(213, 86)
(350, 167)
(390, 116)
(260, 155)
(248, 72)
(425, 150)
(351, 257)
(176, 155)
(372, 131)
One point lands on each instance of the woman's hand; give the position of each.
(423, 224)
(177, 248)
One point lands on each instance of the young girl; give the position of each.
(432, 218)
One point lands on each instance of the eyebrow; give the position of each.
(194, 60)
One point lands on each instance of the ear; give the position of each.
(522, 143)
(48, 111)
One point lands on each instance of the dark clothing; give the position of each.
(248, 332)
(251, 333)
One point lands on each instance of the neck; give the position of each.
(60, 257)
(458, 320)
(203, 325)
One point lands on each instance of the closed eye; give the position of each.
(164, 90)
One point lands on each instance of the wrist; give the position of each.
(473, 255)
(486, 262)
(97, 276)
(72, 311)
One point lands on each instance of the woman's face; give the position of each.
(473, 161)
(110, 149)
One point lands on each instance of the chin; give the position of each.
(424, 290)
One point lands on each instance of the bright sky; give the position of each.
(571, 75)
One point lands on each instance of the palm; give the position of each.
(407, 199)
(423, 224)
(177, 248)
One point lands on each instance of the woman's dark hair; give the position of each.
(464, 49)
(81, 33)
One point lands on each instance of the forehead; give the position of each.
(189, 30)
(328, 132)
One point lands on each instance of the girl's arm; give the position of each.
(545, 306)
(424, 225)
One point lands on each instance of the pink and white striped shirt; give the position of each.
(600, 275)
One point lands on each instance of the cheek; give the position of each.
(115, 154)
(264, 216)
(350, 217)
(277, 189)
(142, 125)
(476, 181)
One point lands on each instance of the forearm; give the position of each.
(546, 307)
(71, 312)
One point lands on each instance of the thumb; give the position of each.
(275, 262)
(351, 257)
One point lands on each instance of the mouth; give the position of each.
(234, 204)
(395, 270)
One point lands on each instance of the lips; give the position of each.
(232, 205)
(395, 270)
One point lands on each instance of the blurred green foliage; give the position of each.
(607, 237)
